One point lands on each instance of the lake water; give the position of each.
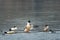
(40, 12)
(31, 36)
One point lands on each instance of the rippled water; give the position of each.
(40, 12)
(31, 36)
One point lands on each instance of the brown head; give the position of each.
(46, 25)
(14, 26)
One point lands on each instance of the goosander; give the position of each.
(10, 32)
(14, 28)
(28, 26)
(46, 28)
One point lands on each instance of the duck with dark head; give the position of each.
(28, 26)
(46, 28)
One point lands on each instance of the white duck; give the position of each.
(14, 28)
(10, 32)
(28, 26)
(46, 28)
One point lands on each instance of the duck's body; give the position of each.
(51, 31)
(14, 28)
(10, 32)
(46, 28)
(28, 27)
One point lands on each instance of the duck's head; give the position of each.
(14, 26)
(9, 29)
(5, 32)
(29, 21)
(46, 25)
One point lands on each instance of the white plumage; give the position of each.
(28, 27)
(15, 28)
(10, 32)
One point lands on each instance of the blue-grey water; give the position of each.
(40, 12)
(31, 36)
